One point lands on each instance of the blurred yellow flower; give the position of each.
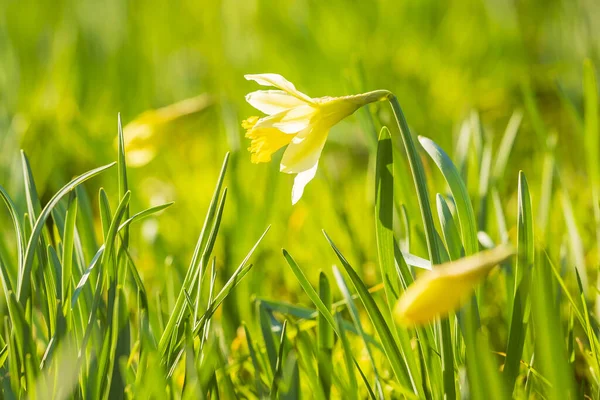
(141, 141)
(298, 121)
(443, 289)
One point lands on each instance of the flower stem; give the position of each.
(430, 234)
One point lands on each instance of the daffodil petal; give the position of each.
(304, 150)
(289, 121)
(272, 101)
(443, 289)
(300, 182)
(433, 296)
(265, 142)
(279, 82)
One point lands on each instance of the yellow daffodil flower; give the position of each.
(442, 290)
(298, 121)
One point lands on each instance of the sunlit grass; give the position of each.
(177, 268)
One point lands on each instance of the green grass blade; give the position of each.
(348, 359)
(24, 285)
(395, 357)
(324, 337)
(310, 291)
(357, 323)
(9, 281)
(68, 244)
(525, 251)
(279, 364)
(506, 145)
(464, 207)
(255, 362)
(449, 230)
(384, 215)
(550, 348)
(192, 270)
(265, 326)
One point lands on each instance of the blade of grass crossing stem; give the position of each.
(357, 323)
(397, 359)
(525, 259)
(192, 269)
(550, 348)
(324, 337)
(384, 215)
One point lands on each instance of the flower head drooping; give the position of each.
(443, 289)
(298, 121)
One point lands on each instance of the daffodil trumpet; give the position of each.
(300, 122)
(443, 289)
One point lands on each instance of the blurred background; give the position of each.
(67, 68)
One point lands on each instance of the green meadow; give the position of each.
(165, 232)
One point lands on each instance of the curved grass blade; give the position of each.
(464, 207)
(24, 284)
(310, 291)
(7, 280)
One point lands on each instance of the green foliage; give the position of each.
(127, 282)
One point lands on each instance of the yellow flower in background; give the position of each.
(298, 121)
(140, 135)
(442, 290)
